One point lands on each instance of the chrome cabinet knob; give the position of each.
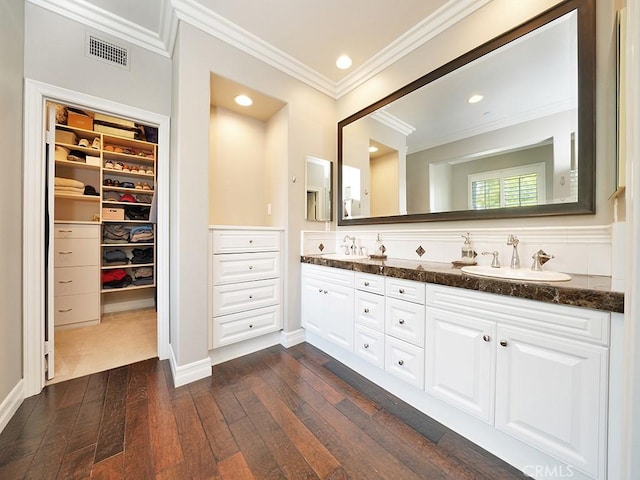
(366, 284)
(250, 325)
(366, 345)
(401, 290)
(400, 362)
(325, 292)
(486, 338)
(503, 343)
(366, 310)
(401, 321)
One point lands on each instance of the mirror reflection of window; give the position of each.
(318, 190)
(351, 191)
(511, 187)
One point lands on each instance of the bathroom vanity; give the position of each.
(521, 369)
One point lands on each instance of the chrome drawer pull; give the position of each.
(65, 311)
(401, 290)
(503, 343)
(250, 297)
(366, 284)
(366, 310)
(250, 241)
(366, 345)
(486, 338)
(65, 281)
(250, 267)
(65, 253)
(250, 325)
(401, 321)
(400, 362)
(320, 290)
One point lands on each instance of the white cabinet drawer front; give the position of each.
(405, 320)
(61, 230)
(552, 393)
(328, 274)
(369, 310)
(74, 280)
(573, 322)
(405, 290)
(238, 241)
(405, 361)
(242, 267)
(76, 308)
(369, 345)
(460, 361)
(245, 296)
(242, 326)
(370, 282)
(76, 252)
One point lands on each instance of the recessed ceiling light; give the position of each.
(373, 149)
(475, 98)
(243, 100)
(343, 62)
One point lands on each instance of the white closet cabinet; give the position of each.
(247, 284)
(76, 277)
(328, 299)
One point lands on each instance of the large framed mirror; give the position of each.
(505, 130)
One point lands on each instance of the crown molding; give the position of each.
(210, 22)
(393, 122)
(449, 14)
(83, 12)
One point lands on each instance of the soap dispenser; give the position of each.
(468, 254)
(379, 250)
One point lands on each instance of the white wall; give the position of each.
(489, 21)
(310, 130)
(55, 54)
(11, 59)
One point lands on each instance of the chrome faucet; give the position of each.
(515, 258)
(349, 249)
(539, 259)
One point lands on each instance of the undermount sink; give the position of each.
(525, 274)
(342, 256)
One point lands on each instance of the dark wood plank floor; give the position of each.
(276, 414)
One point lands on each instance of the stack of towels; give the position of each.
(68, 186)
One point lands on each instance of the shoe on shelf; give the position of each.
(96, 143)
(149, 171)
(119, 166)
(145, 186)
(134, 169)
(108, 164)
(139, 186)
(126, 168)
(83, 143)
(108, 182)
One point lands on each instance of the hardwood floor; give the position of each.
(277, 414)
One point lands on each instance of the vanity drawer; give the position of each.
(404, 361)
(75, 280)
(242, 267)
(328, 275)
(369, 310)
(370, 282)
(238, 297)
(70, 309)
(76, 252)
(63, 230)
(369, 345)
(405, 290)
(405, 320)
(238, 241)
(244, 325)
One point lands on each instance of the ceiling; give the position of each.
(301, 38)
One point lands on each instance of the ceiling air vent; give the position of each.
(107, 52)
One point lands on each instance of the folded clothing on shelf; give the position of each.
(142, 255)
(68, 186)
(115, 233)
(116, 278)
(110, 196)
(114, 257)
(144, 198)
(136, 212)
(141, 234)
(143, 276)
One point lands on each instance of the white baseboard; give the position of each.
(10, 405)
(289, 339)
(235, 350)
(184, 374)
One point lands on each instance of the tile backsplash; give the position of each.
(582, 250)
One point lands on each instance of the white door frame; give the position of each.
(34, 276)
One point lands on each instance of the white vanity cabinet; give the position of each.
(327, 303)
(247, 284)
(404, 330)
(536, 371)
(369, 318)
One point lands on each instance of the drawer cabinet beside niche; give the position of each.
(247, 285)
(76, 276)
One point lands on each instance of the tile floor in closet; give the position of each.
(120, 339)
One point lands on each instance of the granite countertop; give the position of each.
(589, 291)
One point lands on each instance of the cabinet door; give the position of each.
(405, 320)
(313, 305)
(339, 319)
(460, 361)
(369, 310)
(369, 345)
(405, 361)
(551, 393)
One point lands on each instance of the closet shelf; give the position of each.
(127, 245)
(125, 157)
(125, 221)
(130, 287)
(68, 163)
(126, 266)
(128, 204)
(114, 171)
(80, 198)
(127, 190)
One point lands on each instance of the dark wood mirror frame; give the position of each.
(586, 20)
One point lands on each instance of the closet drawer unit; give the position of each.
(63, 230)
(71, 309)
(405, 320)
(76, 252)
(369, 310)
(242, 326)
(404, 361)
(245, 296)
(405, 290)
(242, 267)
(240, 241)
(369, 345)
(370, 283)
(75, 280)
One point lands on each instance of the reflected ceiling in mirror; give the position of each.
(523, 146)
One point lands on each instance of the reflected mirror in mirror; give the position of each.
(318, 190)
(506, 130)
